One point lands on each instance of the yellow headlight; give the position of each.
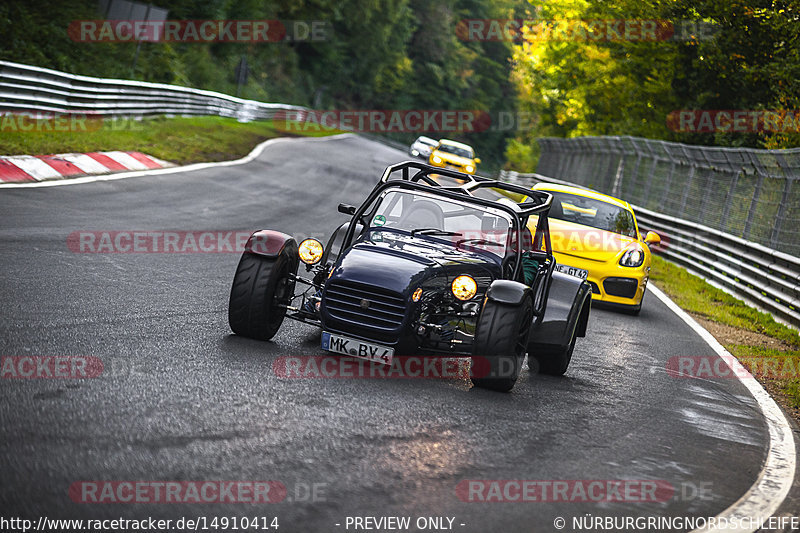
(464, 287)
(310, 251)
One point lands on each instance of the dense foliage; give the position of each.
(376, 54)
(408, 54)
(745, 55)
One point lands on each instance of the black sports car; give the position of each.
(433, 261)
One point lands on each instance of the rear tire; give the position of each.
(501, 340)
(261, 288)
(553, 362)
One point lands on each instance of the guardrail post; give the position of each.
(706, 196)
(617, 189)
(751, 213)
(781, 214)
(668, 182)
(729, 200)
(686, 187)
(649, 182)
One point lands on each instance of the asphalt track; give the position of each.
(181, 398)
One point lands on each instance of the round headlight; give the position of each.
(437, 159)
(310, 251)
(469, 168)
(464, 287)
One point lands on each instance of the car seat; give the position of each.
(422, 214)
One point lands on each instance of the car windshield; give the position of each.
(426, 141)
(428, 216)
(592, 212)
(455, 150)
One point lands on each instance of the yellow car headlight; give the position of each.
(633, 257)
(310, 251)
(436, 159)
(464, 287)
(469, 168)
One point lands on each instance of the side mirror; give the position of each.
(477, 160)
(347, 209)
(652, 238)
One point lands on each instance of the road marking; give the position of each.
(84, 162)
(127, 160)
(154, 172)
(35, 167)
(775, 480)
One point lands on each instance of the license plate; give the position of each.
(572, 271)
(356, 348)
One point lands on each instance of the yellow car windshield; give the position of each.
(592, 212)
(455, 150)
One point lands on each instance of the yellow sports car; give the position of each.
(455, 155)
(595, 237)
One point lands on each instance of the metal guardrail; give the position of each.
(24, 88)
(765, 278)
(749, 193)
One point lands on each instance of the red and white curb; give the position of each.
(170, 169)
(30, 168)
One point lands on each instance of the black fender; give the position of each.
(567, 312)
(270, 243)
(333, 249)
(508, 292)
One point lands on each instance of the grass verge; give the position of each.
(768, 349)
(181, 140)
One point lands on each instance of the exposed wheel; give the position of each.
(553, 362)
(261, 289)
(501, 340)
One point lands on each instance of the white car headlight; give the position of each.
(469, 168)
(633, 257)
(437, 159)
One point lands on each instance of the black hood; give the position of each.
(403, 262)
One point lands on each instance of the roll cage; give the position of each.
(413, 175)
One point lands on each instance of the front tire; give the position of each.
(501, 340)
(261, 289)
